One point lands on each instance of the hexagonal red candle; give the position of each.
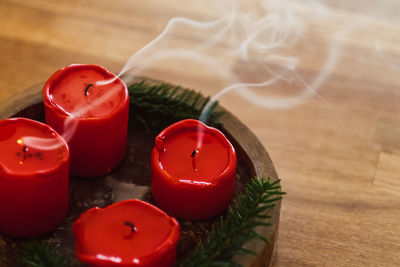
(128, 233)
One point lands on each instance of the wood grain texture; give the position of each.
(338, 153)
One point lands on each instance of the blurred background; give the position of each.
(322, 81)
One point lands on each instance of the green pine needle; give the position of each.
(40, 254)
(153, 107)
(156, 106)
(227, 237)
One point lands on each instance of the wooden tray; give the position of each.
(132, 179)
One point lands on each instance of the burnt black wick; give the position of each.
(131, 225)
(194, 153)
(87, 88)
(24, 149)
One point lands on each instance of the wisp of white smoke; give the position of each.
(259, 35)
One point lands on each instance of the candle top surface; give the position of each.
(27, 147)
(74, 91)
(130, 231)
(195, 155)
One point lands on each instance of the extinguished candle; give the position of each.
(34, 177)
(193, 170)
(89, 107)
(127, 233)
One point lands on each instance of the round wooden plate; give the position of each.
(132, 179)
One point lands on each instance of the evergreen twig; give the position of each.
(39, 254)
(249, 210)
(155, 106)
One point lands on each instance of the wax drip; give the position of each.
(131, 225)
(87, 88)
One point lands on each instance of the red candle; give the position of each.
(92, 117)
(127, 233)
(193, 170)
(34, 166)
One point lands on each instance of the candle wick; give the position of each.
(131, 225)
(87, 88)
(194, 153)
(24, 149)
(194, 159)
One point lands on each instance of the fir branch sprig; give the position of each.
(40, 254)
(249, 210)
(155, 106)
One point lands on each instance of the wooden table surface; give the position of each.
(337, 152)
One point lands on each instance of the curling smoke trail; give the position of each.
(255, 38)
(251, 34)
(260, 33)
